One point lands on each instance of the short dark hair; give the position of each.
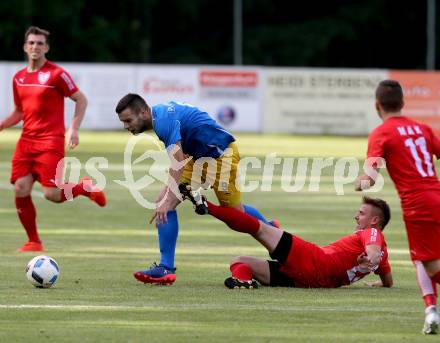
(34, 30)
(132, 101)
(383, 209)
(389, 94)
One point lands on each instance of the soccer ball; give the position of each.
(42, 271)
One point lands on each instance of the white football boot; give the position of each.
(432, 321)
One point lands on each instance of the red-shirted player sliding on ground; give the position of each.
(407, 148)
(298, 263)
(39, 91)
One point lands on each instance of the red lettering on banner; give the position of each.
(158, 85)
(228, 78)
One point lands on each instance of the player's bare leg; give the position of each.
(26, 213)
(432, 268)
(52, 194)
(269, 236)
(69, 191)
(23, 186)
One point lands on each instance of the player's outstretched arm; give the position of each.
(72, 138)
(170, 196)
(14, 118)
(386, 280)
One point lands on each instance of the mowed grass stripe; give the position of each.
(67, 307)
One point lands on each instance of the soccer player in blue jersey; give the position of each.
(186, 131)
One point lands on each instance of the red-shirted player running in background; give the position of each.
(298, 263)
(407, 148)
(39, 91)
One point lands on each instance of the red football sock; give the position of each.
(436, 277)
(241, 271)
(71, 191)
(235, 219)
(430, 300)
(28, 217)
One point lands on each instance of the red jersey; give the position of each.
(407, 147)
(40, 96)
(345, 251)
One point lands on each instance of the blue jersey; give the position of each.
(199, 134)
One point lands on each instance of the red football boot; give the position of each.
(96, 194)
(31, 246)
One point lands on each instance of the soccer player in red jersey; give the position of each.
(39, 91)
(298, 263)
(407, 147)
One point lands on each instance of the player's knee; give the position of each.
(21, 189)
(432, 267)
(52, 194)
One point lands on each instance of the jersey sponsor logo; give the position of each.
(68, 81)
(20, 82)
(373, 236)
(43, 77)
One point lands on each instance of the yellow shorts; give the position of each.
(220, 174)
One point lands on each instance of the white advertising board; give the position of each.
(7, 72)
(5, 91)
(103, 85)
(320, 101)
(247, 99)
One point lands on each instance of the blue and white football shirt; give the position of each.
(200, 135)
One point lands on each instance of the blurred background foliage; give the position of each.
(338, 33)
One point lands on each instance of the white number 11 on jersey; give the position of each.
(421, 144)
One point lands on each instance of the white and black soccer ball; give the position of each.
(42, 271)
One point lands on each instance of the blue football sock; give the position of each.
(255, 213)
(168, 233)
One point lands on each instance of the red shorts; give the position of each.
(308, 266)
(38, 158)
(422, 222)
(423, 239)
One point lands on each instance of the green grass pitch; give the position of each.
(96, 298)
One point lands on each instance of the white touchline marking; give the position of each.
(74, 307)
(187, 307)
